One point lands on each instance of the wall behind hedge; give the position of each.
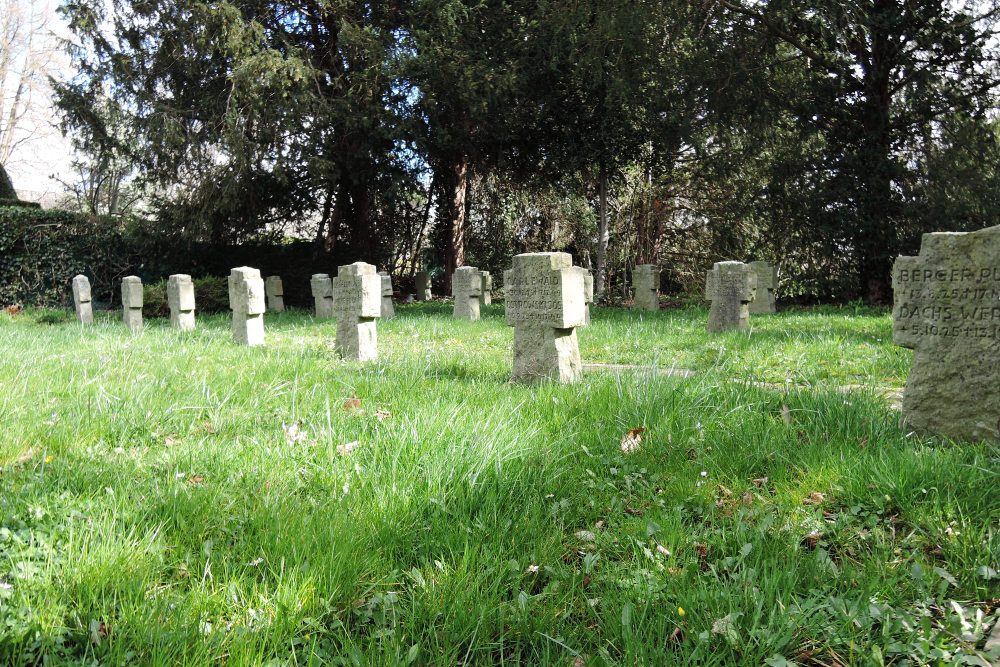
(41, 251)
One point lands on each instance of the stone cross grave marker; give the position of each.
(545, 302)
(81, 299)
(946, 307)
(466, 287)
(246, 299)
(132, 302)
(388, 310)
(180, 298)
(763, 303)
(486, 296)
(322, 291)
(646, 283)
(357, 301)
(731, 287)
(274, 289)
(423, 280)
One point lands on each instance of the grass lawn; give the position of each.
(173, 499)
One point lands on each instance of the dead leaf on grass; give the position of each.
(351, 404)
(14, 310)
(677, 636)
(761, 482)
(815, 498)
(632, 440)
(786, 415)
(383, 414)
(26, 456)
(195, 480)
(347, 447)
(812, 539)
(169, 441)
(293, 433)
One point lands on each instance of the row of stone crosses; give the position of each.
(546, 298)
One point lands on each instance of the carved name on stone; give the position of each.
(731, 286)
(545, 302)
(946, 307)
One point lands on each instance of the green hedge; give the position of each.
(41, 251)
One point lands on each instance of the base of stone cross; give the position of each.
(556, 355)
(250, 332)
(132, 319)
(182, 321)
(85, 313)
(357, 340)
(942, 396)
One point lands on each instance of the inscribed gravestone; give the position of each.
(486, 296)
(388, 310)
(763, 303)
(423, 286)
(545, 303)
(466, 286)
(274, 289)
(180, 298)
(132, 302)
(947, 309)
(731, 287)
(646, 283)
(81, 299)
(322, 291)
(357, 292)
(246, 299)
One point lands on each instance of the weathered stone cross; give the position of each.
(545, 303)
(947, 309)
(357, 301)
(731, 287)
(81, 298)
(246, 299)
(132, 302)
(466, 287)
(180, 298)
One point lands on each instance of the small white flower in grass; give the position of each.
(346, 489)
(532, 569)
(704, 473)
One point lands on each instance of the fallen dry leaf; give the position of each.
(383, 414)
(599, 524)
(26, 456)
(632, 440)
(660, 549)
(724, 491)
(761, 481)
(13, 310)
(863, 442)
(195, 480)
(293, 433)
(786, 415)
(812, 539)
(677, 636)
(353, 403)
(815, 498)
(347, 447)
(169, 442)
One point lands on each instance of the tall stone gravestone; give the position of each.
(357, 301)
(466, 286)
(545, 303)
(132, 302)
(763, 303)
(646, 283)
(81, 299)
(246, 299)
(486, 297)
(388, 310)
(322, 291)
(731, 287)
(947, 309)
(274, 289)
(423, 280)
(180, 298)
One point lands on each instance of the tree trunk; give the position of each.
(336, 218)
(456, 183)
(603, 236)
(878, 214)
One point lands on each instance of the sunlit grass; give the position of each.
(172, 498)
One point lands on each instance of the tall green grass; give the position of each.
(171, 498)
